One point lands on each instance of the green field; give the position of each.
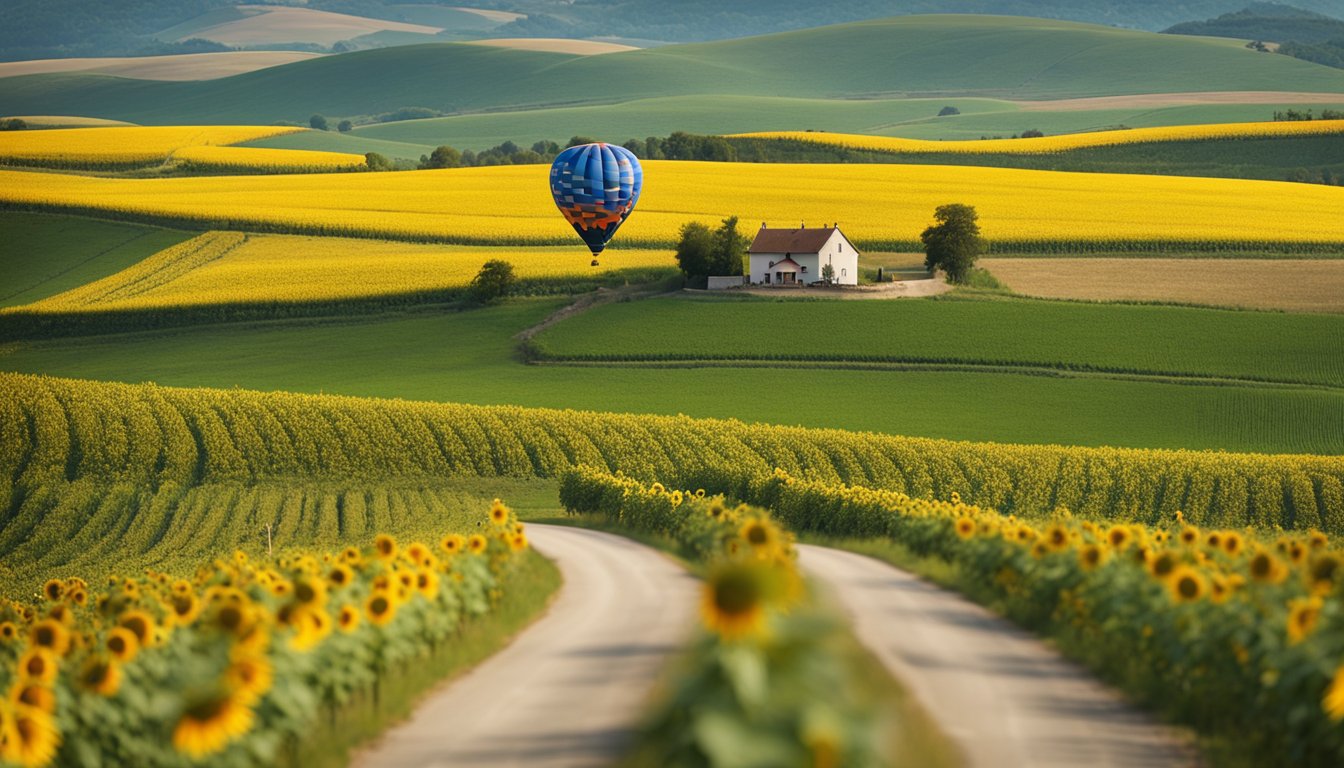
(43, 255)
(471, 357)
(942, 56)
(1175, 342)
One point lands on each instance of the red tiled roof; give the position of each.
(790, 240)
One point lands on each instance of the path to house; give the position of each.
(568, 690)
(1003, 696)
(898, 290)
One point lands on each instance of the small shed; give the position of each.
(797, 256)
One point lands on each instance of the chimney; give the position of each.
(762, 225)
(802, 225)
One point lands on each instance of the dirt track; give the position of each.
(568, 690)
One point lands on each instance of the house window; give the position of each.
(804, 269)
(767, 278)
(842, 272)
(841, 246)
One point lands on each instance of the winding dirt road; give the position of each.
(569, 689)
(1002, 695)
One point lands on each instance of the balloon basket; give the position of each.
(593, 263)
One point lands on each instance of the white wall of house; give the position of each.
(837, 251)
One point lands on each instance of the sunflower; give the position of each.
(210, 720)
(79, 596)
(38, 665)
(1057, 537)
(340, 576)
(9, 631)
(28, 736)
(1186, 584)
(965, 528)
(100, 674)
(518, 541)
(139, 622)
(1303, 613)
(1189, 535)
(453, 543)
(1324, 571)
(715, 509)
(499, 514)
(733, 599)
(476, 544)
(1266, 568)
(1219, 590)
(384, 546)
(122, 644)
(184, 607)
(760, 534)
(348, 619)
(1118, 537)
(251, 676)
(54, 589)
(1317, 540)
(1162, 565)
(351, 556)
(50, 634)
(1233, 543)
(1091, 556)
(1333, 703)
(310, 592)
(381, 607)
(427, 583)
(1214, 540)
(33, 695)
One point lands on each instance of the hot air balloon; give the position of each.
(596, 186)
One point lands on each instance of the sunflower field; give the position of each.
(881, 207)
(155, 437)
(217, 159)
(1044, 145)
(232, 662)
(121, 147)
(1231, 629)
(766, 676)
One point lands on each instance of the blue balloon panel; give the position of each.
(596, 187)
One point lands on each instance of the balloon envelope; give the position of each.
(596, 186)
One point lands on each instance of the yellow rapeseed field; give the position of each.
(255, 159)
(1045, 145)
(876, 204)
(121, 145)
(229, 267)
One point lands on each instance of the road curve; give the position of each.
(1001, 694)
(568, 690)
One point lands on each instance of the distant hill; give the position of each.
(1299, 33)
(936, 56)
(1272, 22)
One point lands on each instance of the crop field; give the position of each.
(882, 207)
(912, 55)
(1176, 342)
(45, 255)
(182, 66)
(472, 357)
(120, 146)
(146, 435)
(1054, 144)
(1291, 285)
(223, 268)
(270, 25)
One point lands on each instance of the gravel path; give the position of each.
(1003, 696)
(567, 691)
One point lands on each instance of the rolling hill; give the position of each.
(934, 56)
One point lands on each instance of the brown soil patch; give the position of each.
(269, 25)
(1143, 100)
(187, 66)
(1294, 285)
(503, 17)
(556, 45)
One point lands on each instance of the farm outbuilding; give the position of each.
(797, 256)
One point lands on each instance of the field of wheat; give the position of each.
(224, 268)
(1044, 145)
(207, 157)
(121, 146)
(878, 206)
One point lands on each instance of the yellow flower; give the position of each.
(1232, 543)
(310, 592)
(1186, 584)
(1091, 556)
(340, 575)
(1118, 537)
(1333, 703)
(1324, 571)
(499, 514)
(28, 736)
(1162, 566)
(54, 589)
(384, 546)
(380, 607)
(100, 674)
(347, 619)
(140, 623)
(210, 720)
(965, 528)
(39, 665)
(251, 675)
(122, 643)
(50, 634)
(9, 631)
(1303, 613)
(1189, 535)
(427, 583)
(518, 542)
(733, 599)
(1057, 537)
(476, 544)
(760, 533)
(33, 695)
(1266, 568)
(311, 625)
(453, 543)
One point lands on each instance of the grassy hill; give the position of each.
(942, 56)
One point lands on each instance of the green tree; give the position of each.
(443, 156)
(580, 140)
(317, 123)
(695, 251)
(377, 162)
(729, 247)
(13, 124)
(954, 242)
(344, 126)
(493, 282)
(827, 273)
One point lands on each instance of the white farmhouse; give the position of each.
(793, 256)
